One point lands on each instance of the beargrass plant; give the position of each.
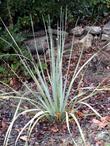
(52, 99)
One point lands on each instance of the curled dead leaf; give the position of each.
(54, 129)
(80, 114)
(24, 138)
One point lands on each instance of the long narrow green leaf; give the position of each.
(11, 125)
(67, 122)
(31, 121)
(79, 127)
(91, 108)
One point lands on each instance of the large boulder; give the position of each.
(56, 32)
(95, 30)
(39, 43)
(86, 41)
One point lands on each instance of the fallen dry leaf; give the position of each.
(54, 129)
(103, 122)
(105, 119)
(3, 124)
(80, 114)
(95, 121)
(24, 138)
(15, 83)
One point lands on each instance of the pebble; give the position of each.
(103, 135)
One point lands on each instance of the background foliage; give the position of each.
(16, 12)
(16, 16)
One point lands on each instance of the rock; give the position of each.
(37, 34)
(105, 37)
(36, 144)
(86, 41)
(105, 14)
(77, 31)
(106, 28)
(39, 43)
(103, 135)
(56, 32)
(95, 30)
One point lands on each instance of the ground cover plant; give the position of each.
(52, 101)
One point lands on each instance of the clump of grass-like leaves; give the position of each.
(52, 98)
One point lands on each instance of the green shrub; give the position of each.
(8, 47)
(17, 12)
